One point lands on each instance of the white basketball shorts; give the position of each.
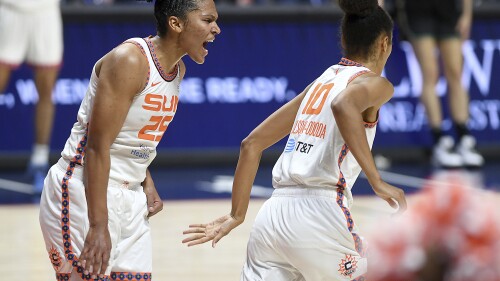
(304, 234)
(64, 223)
(30, 36)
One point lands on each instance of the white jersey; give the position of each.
(150, 114)
(316, 155)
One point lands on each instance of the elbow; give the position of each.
(96, 151)
(250, 145)
(343, 108)
(336, 105)
(92, 149)
(339, 108)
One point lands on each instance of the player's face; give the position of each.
(200, 29)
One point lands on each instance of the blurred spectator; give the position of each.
(442, 25)
(450, 232)
(31, 32)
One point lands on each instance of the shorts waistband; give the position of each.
(77, 172)
(304, 192)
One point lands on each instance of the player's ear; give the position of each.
(387, 42)
(384, 43)
(175, 24)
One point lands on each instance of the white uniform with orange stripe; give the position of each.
(31, 31)
(305, 230)
(134, 148)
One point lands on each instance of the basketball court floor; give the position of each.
(194, 195)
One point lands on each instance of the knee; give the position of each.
(430, 78)
(454, 77)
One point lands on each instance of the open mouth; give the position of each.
(205, 44)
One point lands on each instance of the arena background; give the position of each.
(264, 57)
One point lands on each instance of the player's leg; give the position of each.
(423, 30)
(135, 259)
(425, 52)
(45, 79)
(451, 54)
(321, 241)
(45, 55)
(264, 261)
(63, 219)
(443, 154)
(458, 99)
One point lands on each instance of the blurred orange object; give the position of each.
(451, 231)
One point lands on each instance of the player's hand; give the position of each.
(96, 251)
(213, 231)
(155, 204)
(393, 195)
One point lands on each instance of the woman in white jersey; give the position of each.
(305, 230)
(96, 200)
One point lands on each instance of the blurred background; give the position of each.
(268, 51)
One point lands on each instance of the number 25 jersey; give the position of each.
(148, 118)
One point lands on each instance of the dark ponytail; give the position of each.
(360, 8)
(362, 24)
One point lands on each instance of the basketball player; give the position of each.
(96, 200)
(31, 31)
(442, 25)
(305, 231)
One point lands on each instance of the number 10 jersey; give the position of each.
(316, 155)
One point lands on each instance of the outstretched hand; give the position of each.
(213, 231)
(394, 196)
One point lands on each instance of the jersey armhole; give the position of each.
(354, 76)
(370, 125)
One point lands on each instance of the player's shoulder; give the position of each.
(372, 79)
(127, 56)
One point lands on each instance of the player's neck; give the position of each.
(166, 53)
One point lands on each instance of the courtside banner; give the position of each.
(252, 69)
